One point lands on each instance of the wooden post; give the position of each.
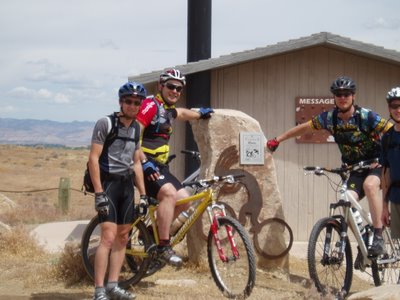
(64, 194)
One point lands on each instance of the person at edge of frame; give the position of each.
(357, 132)
(115, 168)
(155, 118)
(390, 159)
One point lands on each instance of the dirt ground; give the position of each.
(28, 172)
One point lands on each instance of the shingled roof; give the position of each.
(319, 39)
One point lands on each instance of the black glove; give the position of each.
(205, 112)
(141, 208)
(149, 168)
(101, 203)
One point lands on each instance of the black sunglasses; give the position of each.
(346, 94)
(172, 87)
(130, 102)
(394, 106)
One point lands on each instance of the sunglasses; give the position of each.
(340, 95)
(134, 102)
(172, 87)
(394, 106)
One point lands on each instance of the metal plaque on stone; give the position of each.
(252, 148)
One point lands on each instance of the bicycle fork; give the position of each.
(214, 231)
(328, 258)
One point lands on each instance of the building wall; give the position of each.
(266, 90)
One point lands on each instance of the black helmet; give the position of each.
(343, 83)
(132, 89)
(393, 94)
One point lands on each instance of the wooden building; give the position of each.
(265, 83)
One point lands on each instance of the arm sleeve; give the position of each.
(319, 121)
(147, 111)
(100, 131)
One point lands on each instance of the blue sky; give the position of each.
(65, 60)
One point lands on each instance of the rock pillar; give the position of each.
(253, 201)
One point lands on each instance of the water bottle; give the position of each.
(178, 222)
(359, 220)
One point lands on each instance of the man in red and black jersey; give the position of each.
(155, 118)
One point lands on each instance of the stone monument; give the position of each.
(253, 201)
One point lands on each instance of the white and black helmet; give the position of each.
(393, 94)
(172, 74)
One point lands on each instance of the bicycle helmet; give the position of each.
(393, 94)
(343, 83)
(172, 74)
(132, 89)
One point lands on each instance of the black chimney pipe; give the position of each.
(198, 48)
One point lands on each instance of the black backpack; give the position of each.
(112, 135)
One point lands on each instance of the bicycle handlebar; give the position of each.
(195, 154)
(209, 182)
(362, 165)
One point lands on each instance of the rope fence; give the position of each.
(64, 193)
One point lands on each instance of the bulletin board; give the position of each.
(308, 107)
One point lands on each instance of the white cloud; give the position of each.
(61, 53)
(109, 44)
(7, 109)
(61, 99)
(43, 95)
(384, 23)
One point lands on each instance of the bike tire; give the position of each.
(330, 273)
(386, 268)
(134, 268)
(235, 278)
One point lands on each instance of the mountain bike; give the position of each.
(330, 257)
(230, 252)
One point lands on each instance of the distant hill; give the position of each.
(32, 132)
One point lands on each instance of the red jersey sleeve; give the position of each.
(147, 111)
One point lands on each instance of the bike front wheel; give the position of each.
(134, 267)
(231, 260)
(331, 271)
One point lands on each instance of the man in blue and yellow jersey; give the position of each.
(357, 132)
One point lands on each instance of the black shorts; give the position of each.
(153, 187)
(357, 179)
(120, 191)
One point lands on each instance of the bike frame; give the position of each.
(207, 203)
(346, 201)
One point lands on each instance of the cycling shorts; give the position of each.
(357, 179)
(120, 192)
(153, 187)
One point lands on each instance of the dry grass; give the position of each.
(28, 270)
(69, 268)
(20, 251)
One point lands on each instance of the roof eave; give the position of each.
(319, 39)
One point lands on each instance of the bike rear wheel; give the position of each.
(331, 273)
(134, 267)
(386, 267)
(235, 276)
